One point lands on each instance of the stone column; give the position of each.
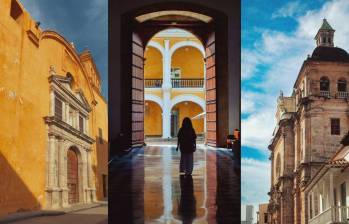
(51, 160)
(166, 90)
(91, 190)
(62, 173)
(52, 174)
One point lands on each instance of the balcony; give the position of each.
(187, 83)
(337, 214)
(342, 95)
(176, 83)
(153, 83)
(325, 93)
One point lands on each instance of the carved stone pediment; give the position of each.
(65, 84)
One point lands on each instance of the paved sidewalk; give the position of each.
(96, 215)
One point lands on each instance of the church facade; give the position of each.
(53, 118)
(310, 126)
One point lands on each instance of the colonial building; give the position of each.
(310, 126)
(53, 118)
(174, 73)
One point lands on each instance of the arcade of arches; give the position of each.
(174, 77)
(173, 63)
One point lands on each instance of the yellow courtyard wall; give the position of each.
(152, 119)
(190, 61)
(153, 64)
(182, 91)
(190, 110)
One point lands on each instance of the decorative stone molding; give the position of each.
(63, 136)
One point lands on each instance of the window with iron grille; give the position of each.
(324, 84)
(342, 85)
(81, 123)
(335, 126)
(100, 135)
(58, 108)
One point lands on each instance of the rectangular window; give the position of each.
(58, 108)
(335, 126)
(100, 135)
(265, 217)
(175, 73)
(81, 123)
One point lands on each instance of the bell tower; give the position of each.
(324, 36)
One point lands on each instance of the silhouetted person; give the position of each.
(187, 145)
(187, 204)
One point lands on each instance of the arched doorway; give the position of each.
(72, 176)
(187, 109)
(137, 24)
(152, 119)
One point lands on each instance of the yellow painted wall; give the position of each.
(24, 100)
(190, 110)
(154, 91)
(152, 119)
(190, 61)
(101, 152)
(153, 64)
(182, 91)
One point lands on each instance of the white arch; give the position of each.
(154, 98)
(188, 43)
(157, 46)
(190, 98)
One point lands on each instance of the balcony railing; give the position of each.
(153, 83)
(338, 214)
(342, 95)
(187, 83)
(325, 93)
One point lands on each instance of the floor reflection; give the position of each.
(187, 204)
(145, 187)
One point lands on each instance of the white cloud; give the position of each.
(257, 129)
(255, 183)
(284, 53)
(288, 10)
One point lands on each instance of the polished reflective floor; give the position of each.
(145, 187)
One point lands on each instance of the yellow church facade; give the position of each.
(174, 73)
(53, 118)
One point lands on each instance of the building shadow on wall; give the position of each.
(15, 196)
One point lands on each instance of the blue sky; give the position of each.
(84, 22)
(277, 36)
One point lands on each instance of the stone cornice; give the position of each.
(57, 80)
(51, 120)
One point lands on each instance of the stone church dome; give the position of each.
(334, 54)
